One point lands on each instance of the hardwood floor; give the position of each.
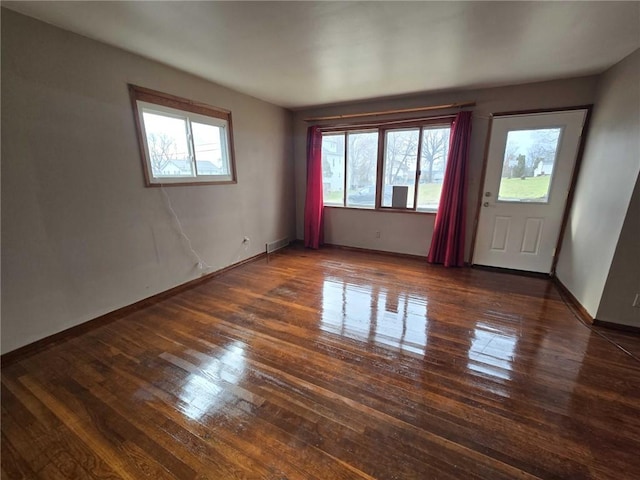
(331, 365)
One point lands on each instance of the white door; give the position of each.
(529, 170)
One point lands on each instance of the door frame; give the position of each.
(574, 174)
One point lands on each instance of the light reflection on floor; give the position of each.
(372, 314)
(491, 355)
(204, 392)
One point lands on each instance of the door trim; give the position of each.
(481, 190)
(574, 174)
(542, 110)
(572, 187)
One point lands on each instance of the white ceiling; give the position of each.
(298, 54)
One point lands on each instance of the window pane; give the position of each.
(528, 165)
(179, 146)
(333, 168)
(210, 149)
(400, 162)
(433, 160)
(167, 142)
(362, 161)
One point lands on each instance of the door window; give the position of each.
(528, 165)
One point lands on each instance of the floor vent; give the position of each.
(277, 245)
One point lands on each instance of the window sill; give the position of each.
(384, 210)
(191, 183)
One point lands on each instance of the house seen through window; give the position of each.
(183, 142)
(412, 163)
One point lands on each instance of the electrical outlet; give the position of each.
(636, 301)
(377, 234)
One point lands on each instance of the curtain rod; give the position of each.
(365, 125)
(391, 112)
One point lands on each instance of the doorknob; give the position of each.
(487, 194)
(485, 204)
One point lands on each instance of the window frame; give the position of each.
(382, 129)
(171, 105)
(345, 173)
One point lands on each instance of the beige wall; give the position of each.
(608, 174)
(398, 232)
(411, 233)
(81, 235)
(623, 281)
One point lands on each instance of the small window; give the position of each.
(400, 163)
(333, 168)
(182, 142)
(413, 167)
(433, 160)
(362, 162)
(529, 165)
(349, 167)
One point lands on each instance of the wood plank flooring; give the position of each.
(331, 365)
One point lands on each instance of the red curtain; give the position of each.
(447, 244)
(314, 205)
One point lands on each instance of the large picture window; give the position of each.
(405, 172)
(182, 142)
